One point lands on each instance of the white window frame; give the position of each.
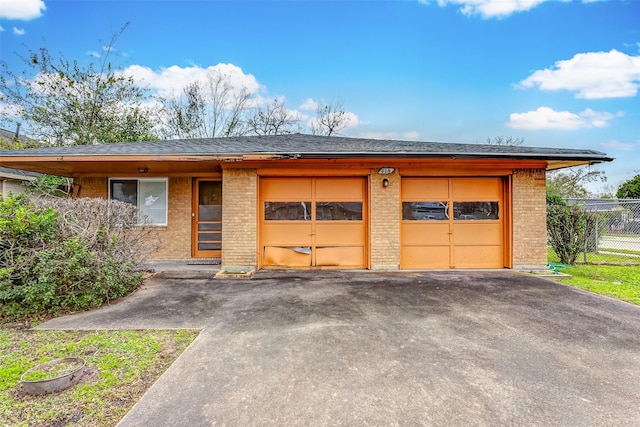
(138, 180)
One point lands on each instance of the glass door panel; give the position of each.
(208, 218)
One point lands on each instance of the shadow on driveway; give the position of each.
(363, 348)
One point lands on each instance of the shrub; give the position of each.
(58, 255)
(568, 229)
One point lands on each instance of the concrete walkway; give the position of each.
(360, 348)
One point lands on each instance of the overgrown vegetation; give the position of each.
(60, 255)
(121, 366)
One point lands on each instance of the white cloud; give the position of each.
(412, 134)
(545, 118)
(1, 28)
(622, 146)
(18, 31)
(93, 53)
(24, 10)
(593, 75)
(309, 105)
(169, 82)
(490, 8)
(10, 110)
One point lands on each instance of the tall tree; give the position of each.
(629, 189)
(207, 109)
(273, 119)
(62, 102)
(571, 182)
(330, 119)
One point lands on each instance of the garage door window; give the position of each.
(475, 211)
(287, 211)
(425, 211)
(339, 211)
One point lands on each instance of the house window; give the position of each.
(149, 195)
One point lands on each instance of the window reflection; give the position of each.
(287, 211)
(339, 211)
(425, 211)
(475, 210)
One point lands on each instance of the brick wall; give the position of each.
(175, 238)
(529, 211)
(384, 222)
(92, 187)
(239, 219)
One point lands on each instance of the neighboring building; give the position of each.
(13, 181)
(302, 201)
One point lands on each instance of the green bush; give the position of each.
(45, 270)
(569, 230)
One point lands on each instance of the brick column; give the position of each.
(384, 217)
(529, 213)
(239, 219)
(92, 187)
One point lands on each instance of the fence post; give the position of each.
(597, 234)
(586, 230)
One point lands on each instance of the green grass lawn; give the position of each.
(616, 276)
(121, 366)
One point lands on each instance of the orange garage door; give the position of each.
(312, 222)
(452, 223)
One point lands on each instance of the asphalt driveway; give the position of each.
(360, 348)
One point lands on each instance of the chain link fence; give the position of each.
(616, 227)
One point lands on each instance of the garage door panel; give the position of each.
(425, 257)
(477, 256)
(467, 232)
(420, 189)
(340, 256)
(328, 234)
(328, 229)
(287, 234)
(284, 190)
(477, 234)
(340, 189)
(475, 189)
(287, 256)
(422, 233)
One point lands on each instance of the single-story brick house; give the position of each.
(304, 201)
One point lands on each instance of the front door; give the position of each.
(207, 218)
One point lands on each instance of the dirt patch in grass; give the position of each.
(120, 367)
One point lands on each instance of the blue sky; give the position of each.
(556, 73)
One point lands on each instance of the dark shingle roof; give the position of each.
(313, 146)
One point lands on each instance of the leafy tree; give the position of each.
(630, 189)
(571, 182)
(65, 103)
(50, 185)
